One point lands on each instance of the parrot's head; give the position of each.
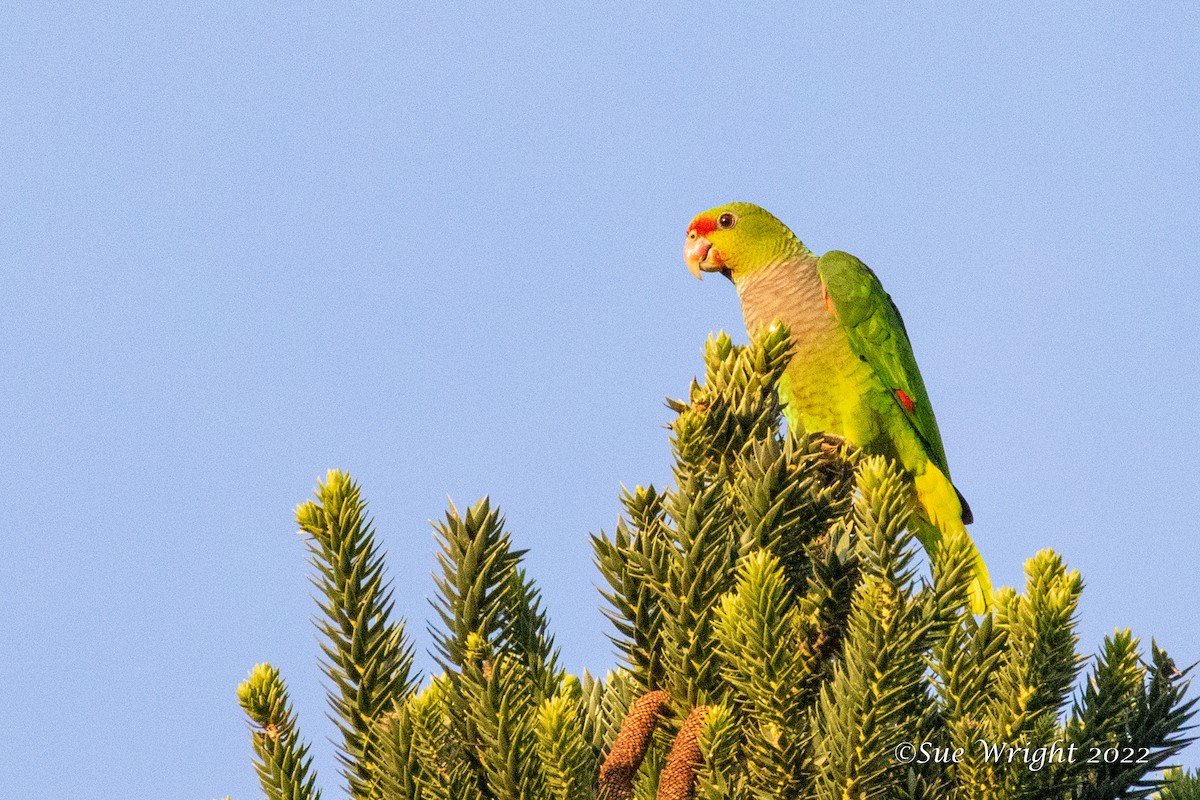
(737, 239)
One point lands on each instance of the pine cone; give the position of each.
(678, 778)
(621, 766)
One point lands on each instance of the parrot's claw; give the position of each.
(831, 445)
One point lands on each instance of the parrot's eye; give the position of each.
(726, 221)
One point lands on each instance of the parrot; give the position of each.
(851, 373)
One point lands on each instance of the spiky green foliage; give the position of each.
(498, 656)
(1127, 701)
(877, 695)
(1180, 785)
(368, 657)
(397, 770)
(720, 746)
(606, 703)
(280, 757)
(742, 486)
(636, 562)
(570, 764)
(779, 635)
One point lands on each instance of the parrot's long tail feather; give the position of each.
(979, 593)
(941, 515)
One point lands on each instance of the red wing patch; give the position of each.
(905, 400)
(828, 303)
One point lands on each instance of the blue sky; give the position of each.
(442, 250)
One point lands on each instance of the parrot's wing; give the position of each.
(877, 336)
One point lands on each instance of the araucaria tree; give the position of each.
(777, 637)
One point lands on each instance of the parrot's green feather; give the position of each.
(876, 334)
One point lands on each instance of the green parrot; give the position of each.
(852, 374)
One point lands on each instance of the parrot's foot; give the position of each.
(835, 459)
(831, 445)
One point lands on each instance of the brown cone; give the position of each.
(678, 778)
(621, 766)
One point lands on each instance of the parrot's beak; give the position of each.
(700, 256)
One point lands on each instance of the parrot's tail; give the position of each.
(983, 598)
(942, 518)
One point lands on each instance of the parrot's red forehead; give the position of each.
(703, 225)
